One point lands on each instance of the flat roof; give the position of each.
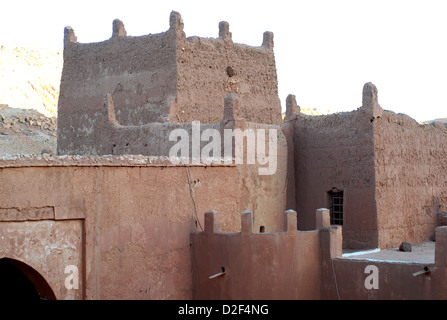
(423, 253)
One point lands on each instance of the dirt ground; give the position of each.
(26, 131)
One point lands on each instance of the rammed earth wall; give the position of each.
(159, 78)
(336, 152)
(391, 169)
(411, 178)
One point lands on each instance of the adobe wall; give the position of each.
(262, 266)
(211, 68)
(154, 139)
(45, 243)
(137, 215)
(336, 151)
(390, 167)
(157, 79)
(411, 178)
(393, 280)
(295, 264)
(139, 72)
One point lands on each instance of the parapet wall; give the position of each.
(292, 264)
(211, 68)
(254, 265)
(394, 280)
(154, 139)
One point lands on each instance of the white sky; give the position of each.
(325, 49)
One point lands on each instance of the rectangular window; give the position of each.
(336, 207)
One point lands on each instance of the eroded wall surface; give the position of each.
(211, 68)
(336, 152)
(391, 169)
(138, 72)
(47, 245)
(156, 79)
(411, 178)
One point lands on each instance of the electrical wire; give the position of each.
(191, 194)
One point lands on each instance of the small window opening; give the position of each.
(336, 207)
(262, 229)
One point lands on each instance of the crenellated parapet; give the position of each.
(290, 222)
(118, 29)
(224, 31)
(69, 36)
(263, 265)
(159, 78)
(370, 100)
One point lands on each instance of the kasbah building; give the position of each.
(111, 216)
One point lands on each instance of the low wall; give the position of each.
(367, 279)
(395, 281)
(296, 264)
(251, 265)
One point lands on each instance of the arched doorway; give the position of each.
(21, 282)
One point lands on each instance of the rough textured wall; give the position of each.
(411, 178)
(138, 213)
(157, 79)
(392, 171)
(211, 68)
(45, 244)
(337, 151)
(140, 73)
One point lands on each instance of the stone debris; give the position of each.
(18, 120)
(405, 247)
(25, 131)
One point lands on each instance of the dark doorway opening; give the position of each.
(18, 281)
